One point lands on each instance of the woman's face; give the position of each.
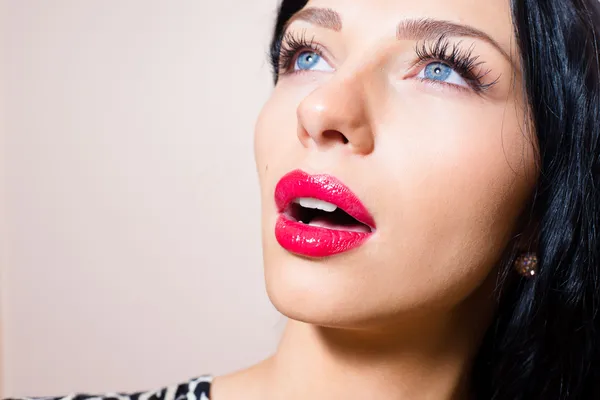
(416, 107)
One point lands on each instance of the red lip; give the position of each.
(316, 241)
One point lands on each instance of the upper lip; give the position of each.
(324, 187)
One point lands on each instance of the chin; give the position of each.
(324, 315)
(310, 291)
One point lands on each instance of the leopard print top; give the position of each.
(194, 389)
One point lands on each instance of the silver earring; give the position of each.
(527, 264)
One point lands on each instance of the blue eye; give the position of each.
(309, 60)
(437, 71)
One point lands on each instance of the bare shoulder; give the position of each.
(247, 384)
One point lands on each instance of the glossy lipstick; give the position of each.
(317, 241)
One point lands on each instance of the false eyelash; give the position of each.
(289, 48)
(462, 61)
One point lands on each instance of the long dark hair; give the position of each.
(544, 342)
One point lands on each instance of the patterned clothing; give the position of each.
(194, 389)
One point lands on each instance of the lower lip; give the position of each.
(313, 241)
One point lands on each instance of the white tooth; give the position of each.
(308, 202)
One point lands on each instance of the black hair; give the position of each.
(544, 342)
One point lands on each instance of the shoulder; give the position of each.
(193, 389)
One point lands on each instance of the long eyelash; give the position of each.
(462, 61)
(287, 49)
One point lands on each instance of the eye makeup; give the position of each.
(291, 46)
(455, 56)
(440, 50)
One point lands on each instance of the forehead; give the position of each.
(370, 19)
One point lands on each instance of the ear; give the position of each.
(528, 235)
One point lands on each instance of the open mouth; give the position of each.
(319, 216)
(319, 213)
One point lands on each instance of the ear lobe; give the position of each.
(527, 240)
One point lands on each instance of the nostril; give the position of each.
(333, 135)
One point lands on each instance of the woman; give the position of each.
(430, 182)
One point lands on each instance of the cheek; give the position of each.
(458, 155)
(276, 145)
(260, 142)
(274, 127)
(266, 147)
(274, 134)
(457, 177)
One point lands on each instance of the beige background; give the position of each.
(129, 209)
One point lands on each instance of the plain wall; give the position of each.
(132, 255)
(3, 232)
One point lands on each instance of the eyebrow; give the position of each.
(409, 29)
(432, 29)
(324, 17)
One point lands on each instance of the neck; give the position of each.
(429, 357)
(425, 357)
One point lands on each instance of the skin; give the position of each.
(447, 174)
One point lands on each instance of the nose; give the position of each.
(336, 114)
